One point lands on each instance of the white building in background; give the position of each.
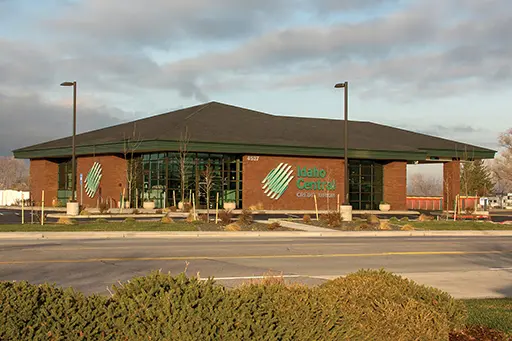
(10, 197)
(507, 201)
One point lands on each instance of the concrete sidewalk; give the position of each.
(244, 234)
(303, 227)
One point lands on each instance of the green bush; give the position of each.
(130, 220)
(394, 220)
(381, 285)
(44, 312)
(367, 305)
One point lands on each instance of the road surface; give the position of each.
(463, 266)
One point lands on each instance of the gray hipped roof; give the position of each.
(221, 123)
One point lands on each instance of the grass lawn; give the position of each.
(418, 225)
(492, 313)
(456, 225)
(128, 226)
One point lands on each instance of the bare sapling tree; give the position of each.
(424, 186)
(133, 163)
(207, 183)
(14, 174)
(502, 167)
(182, 162)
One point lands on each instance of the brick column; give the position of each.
(451, 183)
(395, 184)
(44, 175)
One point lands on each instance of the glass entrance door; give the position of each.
(365, 184)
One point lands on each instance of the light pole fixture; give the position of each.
(73, 157)
(344, 85)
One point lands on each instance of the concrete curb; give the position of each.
(245, 234)
(105, 216)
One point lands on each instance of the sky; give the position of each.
(433, 66)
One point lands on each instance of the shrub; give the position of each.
(306, 219)
(130, 220)
(232, 227)
(225, 217)
(45, 312)
(101, 221)
(407, 227)
(424, 217)
(85, 213)
(190, 218)
(331, 218)
(203, 218)
(167, 220)
(103, 207)
(372, 219)
(367, 305)
(66, 221)
(159, 211)
(245, 218)
(364, 227)
(384, 226)
(259, 206)
(394, 220)
(404, 219)
(136, 211)
(376, 297)
(273, 226)
(173, 208)
(164, 307)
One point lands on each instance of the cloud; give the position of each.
(422, 50)
(463, 132)
(398, 50)
(27, 120)
(163, 24)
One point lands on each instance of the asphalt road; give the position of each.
(465, 267)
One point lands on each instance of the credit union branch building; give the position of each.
(257, 159)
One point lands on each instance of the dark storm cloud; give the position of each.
(27, 120)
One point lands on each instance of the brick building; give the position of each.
(256, 159)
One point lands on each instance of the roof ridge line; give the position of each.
(204, 106)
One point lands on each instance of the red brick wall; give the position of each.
(43, 176)
(113, 178)
(256, 168)
(451, 183)
(395, 184)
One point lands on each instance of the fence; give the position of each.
(10, 197)
(436, 203)
(425, 203)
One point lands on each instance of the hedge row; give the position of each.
(367, 305)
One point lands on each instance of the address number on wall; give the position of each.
(253, 158)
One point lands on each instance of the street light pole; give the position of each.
(344, 85)
(73, 152)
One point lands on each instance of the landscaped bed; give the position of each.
(372, 223)
(244, 222)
